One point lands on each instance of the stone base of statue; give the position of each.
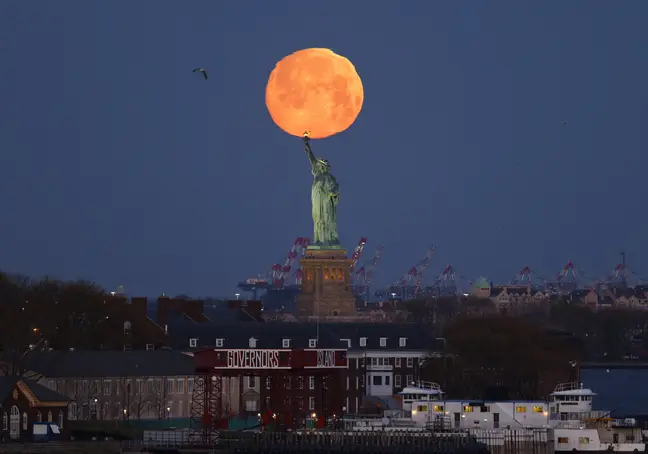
(326, 284)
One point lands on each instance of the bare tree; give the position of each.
(133, 396)
(158, 397)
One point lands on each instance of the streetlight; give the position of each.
(237, 295)
(168, 417)
(393, 295)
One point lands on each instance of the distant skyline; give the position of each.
(505, 133)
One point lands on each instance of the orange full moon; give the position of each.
(314, 90)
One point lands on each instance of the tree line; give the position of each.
(523, 353)
(43, 314)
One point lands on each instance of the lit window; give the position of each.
(538, 409)
(422, 408)
(363, 342)
(563, 440)
(438, 408)
(383, 342)
(312, 343)
(467, 409)
(585, 440)
(252, 343)
(520, 409)
(219, 343)
(402, 342)
(193, 342)
(285, 343)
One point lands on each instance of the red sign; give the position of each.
(268, 359)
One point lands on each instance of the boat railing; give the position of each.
(427, 385)
(572, 386)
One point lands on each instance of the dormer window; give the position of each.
(363, 342)
(219, 343)
(312, 343)
(347, 341)
(285, 343)
(252, 342)
(383, 342)
(402, 342)
(193, 342)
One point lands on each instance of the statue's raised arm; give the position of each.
(309, 153)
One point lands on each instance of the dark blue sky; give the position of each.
(119, 165)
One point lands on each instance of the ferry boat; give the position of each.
(567, 418)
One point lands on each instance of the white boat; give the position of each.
(577, 428)
(567, 418)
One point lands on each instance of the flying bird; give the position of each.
(200, 70)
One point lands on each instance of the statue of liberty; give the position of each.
(325, 196)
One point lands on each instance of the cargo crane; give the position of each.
(622, 277)
(567, 279)
(528, 277)
(275, 277)
(357, 252)
(279, 271)
(408, 286)
(364, 275)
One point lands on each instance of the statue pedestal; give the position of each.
(326, 284)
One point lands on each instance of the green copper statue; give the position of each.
(325, 196)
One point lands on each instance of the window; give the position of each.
(14, 420)
(585, 440)
(538, 409)
(190, 385)
(251, 382)
(140, 386)
(312, 343)
(39, 416)
(169, 385)
(127, 327)
(150, 347)
(410, 379)
(193, 342)
(402, 342)
(397, 362)
(311, 382)
(383, 342)
(5, 421)
(438, 408)
(51, 384)
(268, 382)
(362, 381)
(252, 343)
(285, 343)
(363, 342)
(410, 362)
(180, 385)
(219, 343)
(150, 386)
(24, 421)
(311, 403)
(422, 408)
(72, 411)
(520, 409)
(251, 405)
(106, 388)
(387, 380)
(50, 418)
(467, 409)
(377, 380)
(484, 409)
(397, 381)
(563, 440)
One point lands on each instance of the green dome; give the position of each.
(481, 282)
